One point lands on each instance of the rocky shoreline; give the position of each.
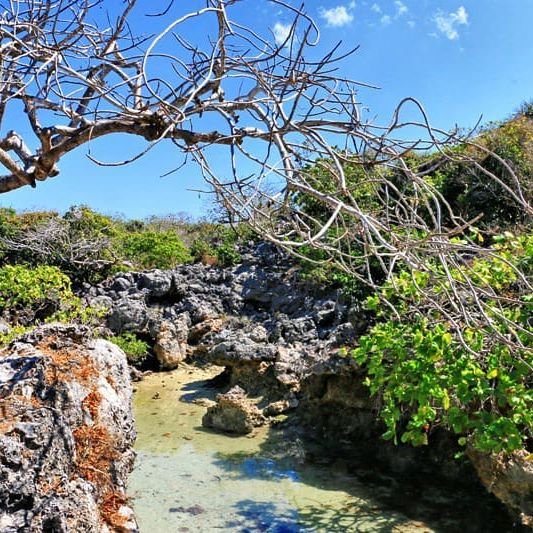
(281, 343)
(67, 433)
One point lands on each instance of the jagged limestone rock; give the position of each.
(66, 434)
(234, 412)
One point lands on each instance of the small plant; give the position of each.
(29, 296)
(136, 350)
(33, 293)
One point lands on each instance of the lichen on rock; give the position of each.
(66, 433)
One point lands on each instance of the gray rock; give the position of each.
(128, 315)
(66, 433)
(299, 329)
(256, 288)
(231, 348)
(122, 283)
(4, 327)
(157, 283)
(233, 413)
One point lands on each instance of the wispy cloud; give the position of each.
(281, 32)
(448, 23)
(337, 16)
(401, 8)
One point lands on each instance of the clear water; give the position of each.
(190, 479)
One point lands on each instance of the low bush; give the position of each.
(33, 293)
(29, 296)
(429, 370)
(150, 249)
(136, 350)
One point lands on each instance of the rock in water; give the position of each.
(233, 413)
(66, 434)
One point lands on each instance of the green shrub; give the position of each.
(32, 295)
(430, 371)
(150, 249)
(33, 288)
(227, 255)
(135, 349)
(12, 334)
(217, 244)
(470, 192)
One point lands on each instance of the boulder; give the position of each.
(510, 478)
(170, 345)
(66, 434)
(234, 412)
(128, 314)
(4, 327)
(157, 283)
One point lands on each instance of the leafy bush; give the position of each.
(149, 249)
(33, 292)
(471, 193)
(362, 186)
(32, 295)
(429, 371)
(80, 243)
(217, 244)
(135, 349)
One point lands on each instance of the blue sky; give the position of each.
(462, 59)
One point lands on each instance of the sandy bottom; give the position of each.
(190, 479)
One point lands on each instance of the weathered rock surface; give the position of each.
(510, 478)
(66, 434)
(252, 315)
(170, 346)
(233, 413)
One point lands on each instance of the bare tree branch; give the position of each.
(276, 109)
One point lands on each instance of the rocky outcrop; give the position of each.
(66, 434)
(510, 478)
(250, 318)
(279, 340)
(170, 345)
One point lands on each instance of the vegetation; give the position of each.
(450, 343)
(31, 295)
(150, 249)
(430, 370)
(136, 350)
(88, 246)
(436, 354)
(46, 258)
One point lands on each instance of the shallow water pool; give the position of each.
(190, 479)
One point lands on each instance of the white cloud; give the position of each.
(281, 32)
(401, 8)
(411, 23)
(376, 8)
(448, 24)
(385, 20)
(336, 16)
